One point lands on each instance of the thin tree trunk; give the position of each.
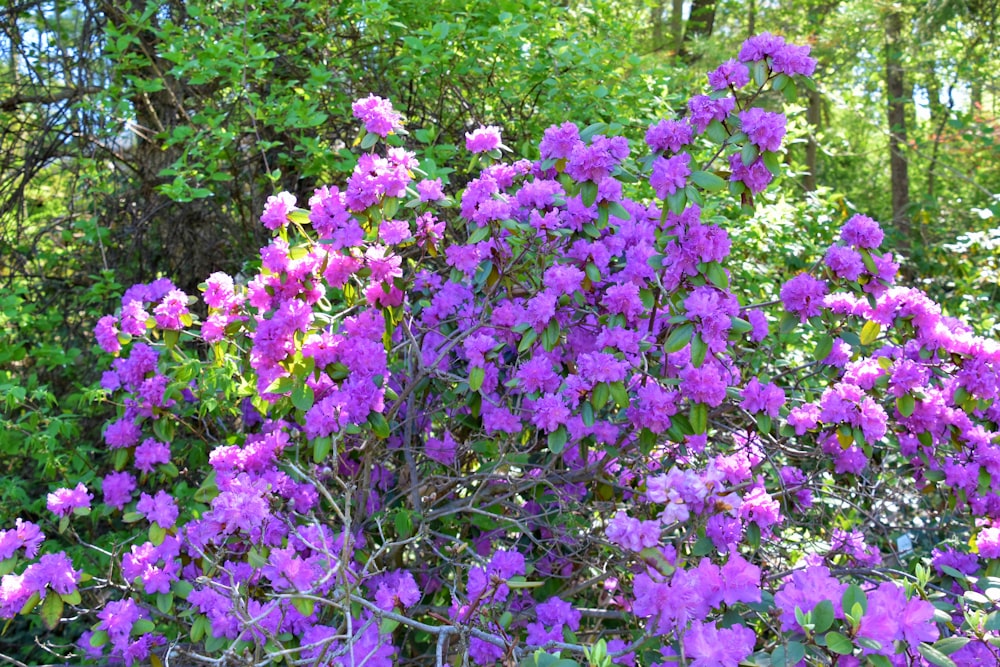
(677, 25)
(700, 24)
(656, 18)
(898, 167)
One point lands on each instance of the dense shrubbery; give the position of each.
(537, 424)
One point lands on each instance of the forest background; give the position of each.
(140, 140)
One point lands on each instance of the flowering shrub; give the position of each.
(545, 430)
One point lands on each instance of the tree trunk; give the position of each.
(700, 25)
(898, 167)
(656, 19)
(677, 25)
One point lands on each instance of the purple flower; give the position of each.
(704, 110)
(243, 506)
(397, 590)
(767, 398)
(134, 318)
(708, 646)
(792, 59)
(670, 174)
(151, 453)
(442, 450)
(758, 322)
(24, 534)
(765, 129)
(161, 508)
(555, 615)
(549, 413)
(760, 47)
(845, 262)
(803, 295)
(559, 141)
(759, 507)
(54, 571)
(668, 135)
(596, 161)
(219, 291)
(106, 333)
(13, 594)
(886, 605)
(988, 542)
(276, 210)
(378, 115)
(483, 139)
(755, 177)
(730, 73)
(633, 534)
(117, 619)
(63, 501)
(170, 312)
(122, 433)
(704, 385)
(805, 589)
(430, 190)
(862, 232)
(118, 488)
(917, 623)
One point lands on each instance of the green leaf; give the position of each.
(379, 424)
(527, 340)
(772, 161)
(51, 610)
(823, 616)
(157, 534)
(170, 337)
(717, 275)
(760, 73)
(479, 234)
(905, 404)
(676, 202)
(708, 181)
(698, 351)
(370, 140)
(304, 606)
(748, 154)
(854, 595)
(935, 656)
(142, 627)
(620, 394)
(321, 449)
(823, 348)
(678, 338)
(164, 602)
(99, 638)
(839, 644)
(303, 396)
(699, 417)
(588, 192)
(949, 645)
(780, 81)
(476, 376)
(716, 131)
(282, 385)
(600, 395)
(557, 440)
(72, 598)
(869, 332)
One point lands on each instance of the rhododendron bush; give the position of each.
(538, 422)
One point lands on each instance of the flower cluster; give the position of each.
(497, 428)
